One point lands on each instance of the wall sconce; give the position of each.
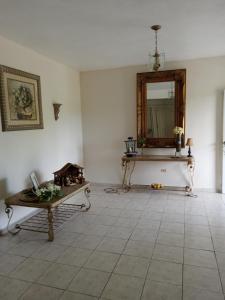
(56, 107)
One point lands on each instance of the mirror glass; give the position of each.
(160, 109)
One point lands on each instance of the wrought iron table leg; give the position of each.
(50, 225)
(189, 189)
(87, 195)
(9, 212)
(125, 183)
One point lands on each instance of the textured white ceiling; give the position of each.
(94, 34)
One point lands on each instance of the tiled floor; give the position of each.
(148, 245)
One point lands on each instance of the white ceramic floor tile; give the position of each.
(119, 232)
(58, 276)
(66, 238)
(132, 266)
(151, 215)
(87, 241)
(161, 291)
(26, 248)
(174, 218)
(197, 230)
(198, 242)
(7, 242)
(75, 296)
(204, 278)
(196, 220)
(89, 282)
(168, 253)
(74, 256)
(115, 212)
(142, 234)
(191, 293)
(218, 232)
(112, 245)
(139, 248)
(131, 213)
(97, 229)
(49, 251)
(102, 261)
(12, 289)
(219, 244)
(123, 287)
(222, 276)
(200, 258)
(9, 262)
(166, 272)
(126, 222)
(31, 269)
(37, 292)
(220, 257)
(172, 227)
(171, 239)
(105, 220)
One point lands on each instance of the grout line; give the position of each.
(122, 254)
(182, 296)
(152, 255)
(214, 250)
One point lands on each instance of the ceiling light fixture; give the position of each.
(156, 59)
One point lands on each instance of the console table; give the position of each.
(128, 164)
(25, 198)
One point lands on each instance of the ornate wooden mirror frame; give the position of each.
(179, 77)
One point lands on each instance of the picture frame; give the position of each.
(20, 100)
(34, 181)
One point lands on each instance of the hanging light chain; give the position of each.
(156, 43)
(156, 55)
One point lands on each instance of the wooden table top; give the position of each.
(158, 158)
(24, 199)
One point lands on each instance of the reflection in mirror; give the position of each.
(160, 109)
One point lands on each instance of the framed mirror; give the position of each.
(160, 107)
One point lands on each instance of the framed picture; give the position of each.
(34, 181)
(20, 99)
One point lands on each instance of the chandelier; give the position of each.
(156, 59)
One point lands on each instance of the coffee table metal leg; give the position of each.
(50, 225)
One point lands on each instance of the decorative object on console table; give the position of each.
(141, 143)
(34, 180)
(20, 99)
(130, 146)
(189, 144)
(70, 174)
(178, 131)
(56, 107)
(48, 192)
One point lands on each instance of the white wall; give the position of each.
(109, 117)
(43, 150)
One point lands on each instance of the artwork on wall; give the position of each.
(20, 99)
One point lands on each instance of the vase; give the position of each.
(178, 145)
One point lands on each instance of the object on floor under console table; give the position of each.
(55, 215)
(128, 164)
